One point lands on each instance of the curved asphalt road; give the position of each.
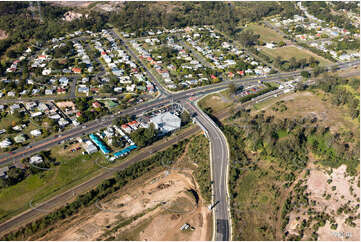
(219, 160)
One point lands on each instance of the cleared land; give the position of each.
(341, 189)
(287, 52)
(266, 34)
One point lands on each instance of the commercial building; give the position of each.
(98, 142)
(166, 122)
(123, 152)
(89, 147)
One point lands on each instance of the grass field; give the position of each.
(217, 101)
(266, 34)
(288, 52)
(40, 186)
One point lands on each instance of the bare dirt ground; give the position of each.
(343, 189)
(71, 15)
(3, 34)
(103, 6)
(81, 4)
(155, 221)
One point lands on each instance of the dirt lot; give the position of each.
(151, 209)
(81, 4)
(342, 190)
(3, 34)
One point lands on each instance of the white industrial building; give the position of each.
(166, 122)
(89, 147)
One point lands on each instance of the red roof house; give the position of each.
(76, 70)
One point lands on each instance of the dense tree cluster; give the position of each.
(16, 175)
(144, 136)
(289, 9)
(349, 6)
(293, 63)
(138, 16)
(285, 144)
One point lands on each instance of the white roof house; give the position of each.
(35, 132)
(37, 159)
(62, 122)
(48, 92)
(5, 143)
(270, 45)
(166, 122)
(63, 81)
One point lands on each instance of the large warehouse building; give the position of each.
(166, 122)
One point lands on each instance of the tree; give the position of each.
(281, 43)
(278, 61)
(248, 38)
(185, 117)
(293, 63)
(318, 70)
(15, 175)
(232, 88)
(305, 74)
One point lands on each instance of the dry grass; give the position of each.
(287, 52)
(308, 104)
(218, 102)
(266, 34)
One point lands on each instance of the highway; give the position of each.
(219, 160)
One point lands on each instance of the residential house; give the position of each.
(35, 132)
(5, 143)
(19, 138)
(36, 159)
